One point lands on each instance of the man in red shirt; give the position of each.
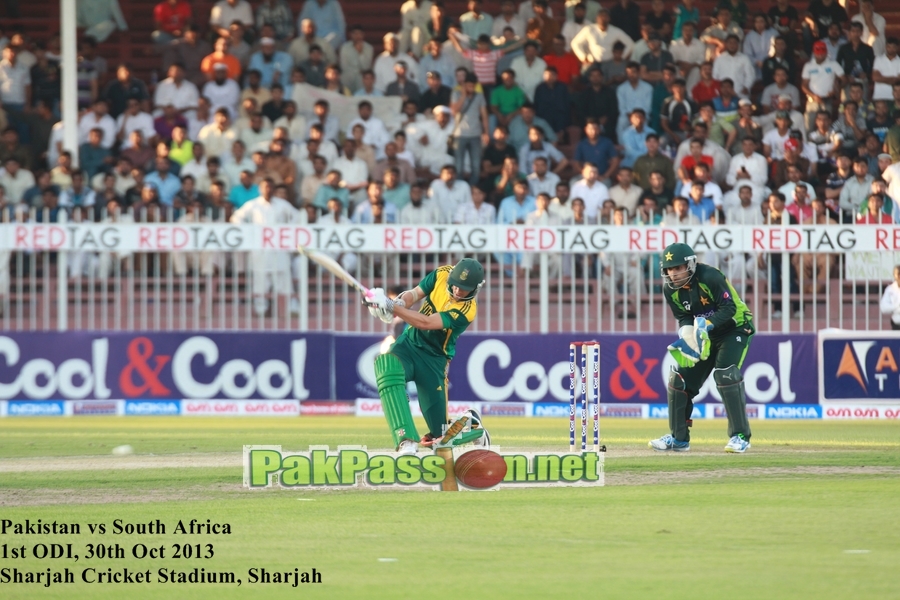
(171, 18)
(566, 63)
(707, 88)
(874, 214)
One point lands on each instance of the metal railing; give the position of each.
(280, 290)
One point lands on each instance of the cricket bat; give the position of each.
(449, 484)
(325, 261)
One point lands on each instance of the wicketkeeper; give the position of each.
(715, 328)
(422, 354)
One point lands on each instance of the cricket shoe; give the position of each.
(429, 440)
(737, 444)
(475, 425)
(667, 442)
(408, 447)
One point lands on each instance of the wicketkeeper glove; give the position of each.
(683, 354)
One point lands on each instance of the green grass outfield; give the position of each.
(811, 511)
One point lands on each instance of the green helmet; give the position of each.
(467, 275)
(673, 256)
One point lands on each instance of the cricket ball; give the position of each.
(480, 469)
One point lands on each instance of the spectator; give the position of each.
(633, 138)
(526, 119)
(653, 161)
(552, 102)
(598, 151)
(475, 211)
(278, 14)
(538, 147)
(168, 121)
(97, 117)
(354, 170)
(218, 136)
(189, 52)
(201, 118)
(626, 15)
(592, 191)
(560, 205)
(657, 191)
(794, 181)
(395, 191)
(171, 17)
(33, 196)
(332, 187)
(681, 213)
(873, 26)
(449, 193)
(707, 88)
(748, 166)
(329, 19)
(758, 43)
(625, 194)
(435, 94)
(470, 134)
(503, 183)
(735, 65)
(226, 12)
(79, 195)
(419, 210)
(676, 114)
(124, 87)
(300, 47)
(220, 56)
(874, 215)
(401, 85)
(222, 92)
(541, 180)
(15, 180)
(594, 43)
(244, 191)
(850, 126)
(856, 57)
(476, 23)
(632, 94)
(92, 156)
(701, 206)
(313, 180)
(543, 29)
(856, 189)
(529, 69)
(257, 133)
(356, 57)
(780, 86)
(10, 146)
(484, 58)
(163, 180)
(374, 210)
(15, 87)
(196, 163)
(274, 66)
(689, 53)
(598, 103)
(405, 171)
(99, 18)
(821, 83)
(175, 90)
(181, 150)
(716, 34)
(578, 21)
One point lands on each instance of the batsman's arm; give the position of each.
(724, 301)
(410, 297)
(418, 320)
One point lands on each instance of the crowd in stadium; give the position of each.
(543, 113)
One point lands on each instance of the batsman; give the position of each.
(422, 354)
(715, 328)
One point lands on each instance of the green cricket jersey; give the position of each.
(709, 294)
(456, 315)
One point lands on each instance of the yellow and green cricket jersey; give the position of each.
(456, 315)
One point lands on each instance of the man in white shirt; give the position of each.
(225, 11)
(15, 180)
(235, 162)
(419, 210)
(427, 140)
(735, 65)
(541, 179)
(744, 267)
(376, 134)
(218, 136)
(821, 82)
(258, 135)
(269, 269)
(529, 69)
(873, 27)
(329, 124)
(177, 91)
(886, 71)
(133, 119)
(768, 122)
(222, 91)
(299, 48)
(384, 64)
(508, 18)
(748, 166)
(97, 117)
(594, 43)
(625, 194)
(197, 165)
(476, 211)
(591, 191)
(354, 171)
(779, 87)
(448, 193)
(689, 53)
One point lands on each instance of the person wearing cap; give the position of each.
(594, 43)
(779, 87)
(775, 140)
(642, 45)
(222, 91)
(272, 64)
(428, 139)
(785, 104)
(821, 82)
(735, 65)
